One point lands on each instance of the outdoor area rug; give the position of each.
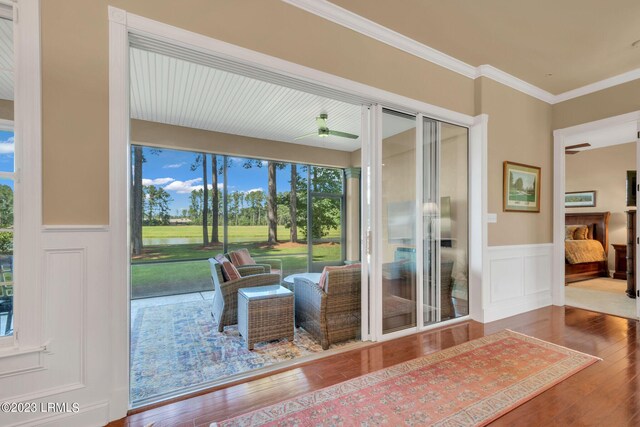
(470, 384)
(178, 345)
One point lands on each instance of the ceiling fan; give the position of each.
(571, 149)
(323, 131)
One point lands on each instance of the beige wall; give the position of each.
(169, 136)
(519, 131)
(605, 171)
(75, 96)
(614, 101)
(75, 79)
(6, 109)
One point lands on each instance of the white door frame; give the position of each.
(121, 25)
(559, 137)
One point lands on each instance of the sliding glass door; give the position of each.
(423, 208)
(445, 221)
(398, 212)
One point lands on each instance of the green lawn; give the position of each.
(152, 277)
(239, 233)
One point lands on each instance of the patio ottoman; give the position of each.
(265, 313)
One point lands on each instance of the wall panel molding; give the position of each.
(519, 279)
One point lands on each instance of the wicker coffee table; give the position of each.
(265, 313)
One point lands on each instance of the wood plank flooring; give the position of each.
(604, 394)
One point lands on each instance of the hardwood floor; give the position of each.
(604, 394)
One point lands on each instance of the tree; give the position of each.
(137, 194)
(293, 202)
(157, 205)
(6, 206)
(136, 208)
(215, 207)
(201, 161)
(326, 211)
(272, 205)
(195, 206)
(272, 208)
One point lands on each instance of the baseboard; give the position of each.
(533, 302)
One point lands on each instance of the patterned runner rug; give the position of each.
(470, 384)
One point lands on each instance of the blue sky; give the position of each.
(171, 170)
(7, 149)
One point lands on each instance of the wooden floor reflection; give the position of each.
(604, 394)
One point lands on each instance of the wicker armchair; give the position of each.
(225, 298)
(331, 315)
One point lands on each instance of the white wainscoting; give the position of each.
(74, 365)
(519, 278)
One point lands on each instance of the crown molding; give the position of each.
(598, 86)
(352, 21)
(357, 23)
(513, 82)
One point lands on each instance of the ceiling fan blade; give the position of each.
(343, 134)
(571, 152)
(586, 144)
(305, 136)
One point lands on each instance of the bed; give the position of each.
(580, 263)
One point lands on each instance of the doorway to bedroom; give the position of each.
(599, 215)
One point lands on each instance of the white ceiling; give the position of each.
(6, 59)
(613, 135)
(173, 91)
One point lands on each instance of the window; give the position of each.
(7, 180)
(7, 173)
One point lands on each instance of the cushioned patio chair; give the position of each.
(331, 315)
(242, 258)
(225, 298)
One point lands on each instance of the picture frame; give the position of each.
(580, 199)
(521, 188)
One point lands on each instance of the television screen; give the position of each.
(631, 188)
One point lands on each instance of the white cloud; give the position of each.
(8, 146)
(156, 181)
(174, 165)
(253, 190)
(185, 187)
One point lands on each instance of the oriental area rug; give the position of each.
(470, 384)
(178, 345)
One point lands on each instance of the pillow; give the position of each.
(229, 271)
(325, 273)
(241, 257)
(569, 231)
(581, 233)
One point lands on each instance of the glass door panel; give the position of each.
(445, 221)
(398, 212)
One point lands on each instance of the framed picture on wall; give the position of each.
(521, 188)
(580, 199)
